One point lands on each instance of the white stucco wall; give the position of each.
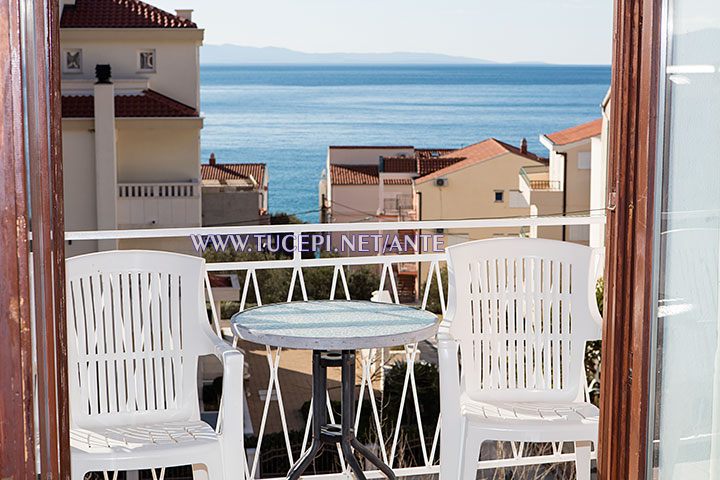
(598, 181)
(79, 182)
(163, 150)
(575, 182)
(177, 72)
(360, 197)
(470, 193)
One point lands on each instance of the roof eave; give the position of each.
(139, 33)
(569, 146)
(546, 142)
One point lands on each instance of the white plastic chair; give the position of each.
(137, 324)
(520, 311)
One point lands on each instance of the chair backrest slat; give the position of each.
(522, 310)
(136, 325)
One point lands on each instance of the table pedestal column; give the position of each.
(333, 434)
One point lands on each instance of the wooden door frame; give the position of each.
(629, 241)
(30, 98)
(17, 446)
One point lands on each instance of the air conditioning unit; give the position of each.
(441, 182)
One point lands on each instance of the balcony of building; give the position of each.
(398, 415)
(537, 177)
(158, 205)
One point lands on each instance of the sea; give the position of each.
(286, 116)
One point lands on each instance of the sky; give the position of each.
(552, 31)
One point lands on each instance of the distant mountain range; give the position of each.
(237, 54)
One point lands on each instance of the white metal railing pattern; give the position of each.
(158, 204)
(159, 190)
(388, 447)
(538, 184)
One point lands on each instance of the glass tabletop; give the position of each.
(334, 325)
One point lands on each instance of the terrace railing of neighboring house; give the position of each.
(409, 443)
(527, 174)
(158, 204)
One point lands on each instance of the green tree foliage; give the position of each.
(274, 284)
(362, 282)
(433, 302)
(593, 349)
(427, 381)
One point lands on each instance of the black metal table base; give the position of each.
(343, 434)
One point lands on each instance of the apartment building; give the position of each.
(573, 182)
(234, 193)
(478, 182)
(131, 123)
(354, 186)
(599, 174)
(374, 183)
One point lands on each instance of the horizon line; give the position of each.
(460, 57)
(408, 64)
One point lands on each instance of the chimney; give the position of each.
(105, 154)
(212, 159)
(185, 13)
(103, 74)
(66, 3)
(523, 145)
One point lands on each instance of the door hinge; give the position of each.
(612, 201)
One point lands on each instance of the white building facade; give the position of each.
(131, 123)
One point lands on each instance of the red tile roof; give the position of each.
(427, 163)
(233, 171)
(360, 175)
(421, 164)
(432, 164)
(478, 152)
(354, 147)
(399, 164)
(119, 14)
(147, 103)
(577, 133)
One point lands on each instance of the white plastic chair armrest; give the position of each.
(231, 403)
(449, 372)
(449, 375)
(230, 425)
(449, 399)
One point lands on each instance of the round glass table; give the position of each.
(333, 330)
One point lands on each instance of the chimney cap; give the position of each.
(185, 13)
(103, 72)
(212, 158)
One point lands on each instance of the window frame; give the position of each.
(584, 164)
(65, 68)
(140, 53)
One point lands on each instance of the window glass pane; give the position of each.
(584, 160)
(73, 60)
(686, 429)
(147, 60)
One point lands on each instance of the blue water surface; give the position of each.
(287, 116)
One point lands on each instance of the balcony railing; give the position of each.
(538, 184)
(158, 190)
(158, 204)
(410, 449)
